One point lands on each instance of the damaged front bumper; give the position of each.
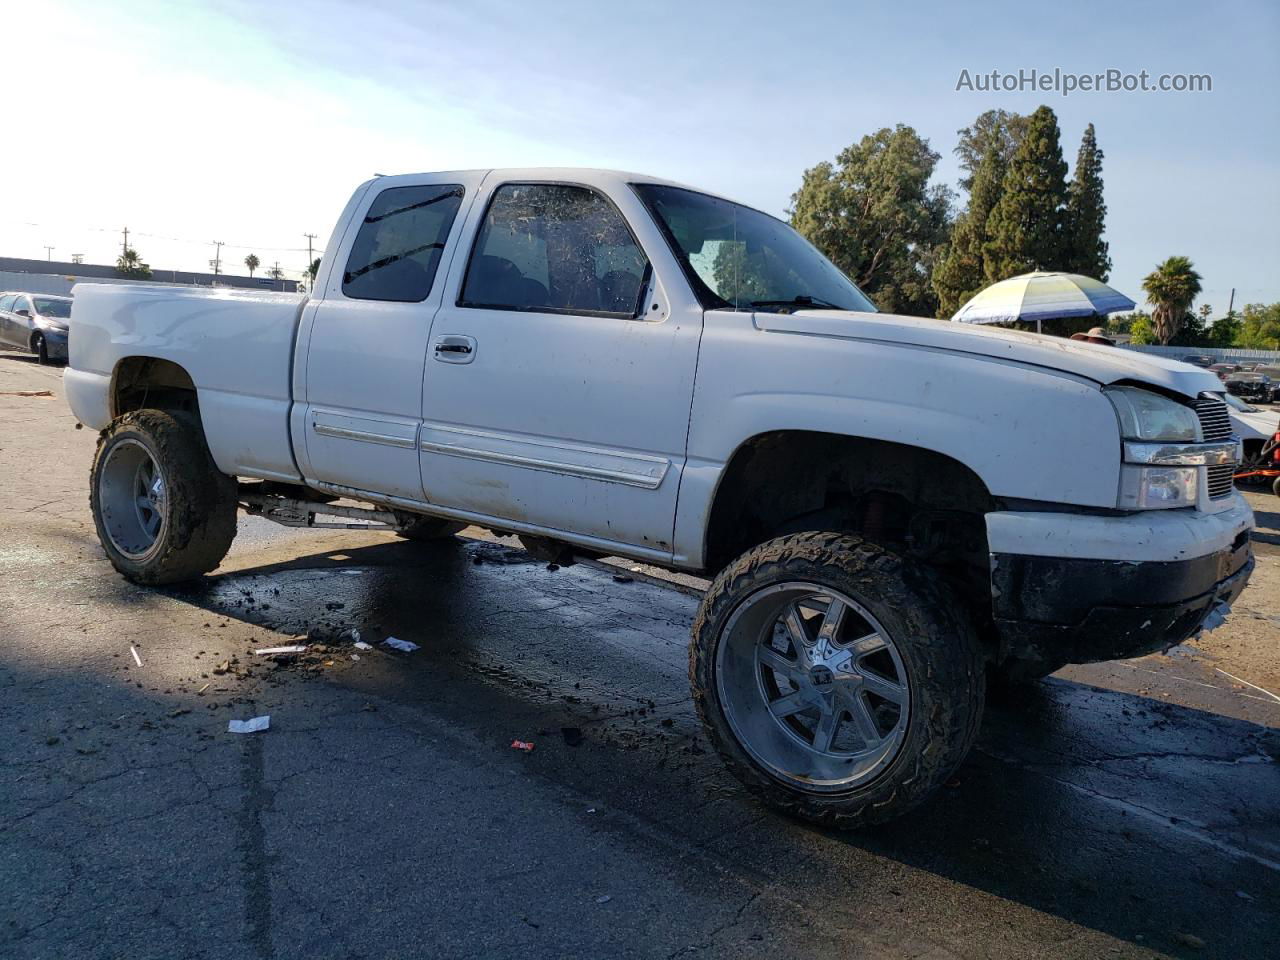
(1084, 588)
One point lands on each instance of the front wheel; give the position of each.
(40, 349)
(163, 511)
(838, 681)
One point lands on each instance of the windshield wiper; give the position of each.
(800, 301)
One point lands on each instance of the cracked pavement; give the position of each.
(1125, 810)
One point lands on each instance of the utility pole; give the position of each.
(310, 237)
(125, 247)
(1232, 302)
(217, 257)
(48, 252)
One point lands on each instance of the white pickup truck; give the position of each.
(609, 364)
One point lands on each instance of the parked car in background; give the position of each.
(1223, 370)
(1274, 374)
(1259, 433)
(1250, 386)
(36, 322)
(1199, 359)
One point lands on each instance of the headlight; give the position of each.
(1149, 416)
(1157, 488)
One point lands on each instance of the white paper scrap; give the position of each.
(268, 651)
(396, 644)
(255, 725)
(361, 645)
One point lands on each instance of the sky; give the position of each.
(251, 122)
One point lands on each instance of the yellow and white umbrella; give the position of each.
(1043, 296)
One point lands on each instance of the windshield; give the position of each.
(741, 258)
(49, 307)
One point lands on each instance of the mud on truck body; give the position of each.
(892, 508)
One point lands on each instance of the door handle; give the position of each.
(454, 348)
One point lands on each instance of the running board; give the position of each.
(290, 512)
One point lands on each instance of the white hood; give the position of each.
(1092, 360)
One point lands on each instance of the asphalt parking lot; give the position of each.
(1126, 810)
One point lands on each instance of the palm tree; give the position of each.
(129, 264)
(252, 262)
(1171, 289)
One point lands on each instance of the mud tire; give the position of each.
(933, 634)
(201, 515)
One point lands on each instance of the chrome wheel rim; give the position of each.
(813, 686)
(132, 499)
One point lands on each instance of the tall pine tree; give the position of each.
(961, 271)
(1086, 213)
(1026, 226)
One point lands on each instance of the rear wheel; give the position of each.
(163, 511)
(838, 681)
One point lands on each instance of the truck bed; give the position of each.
(236, 345)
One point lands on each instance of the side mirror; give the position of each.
(24, 312)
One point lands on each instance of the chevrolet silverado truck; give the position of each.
(891, 508)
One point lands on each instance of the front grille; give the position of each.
(1215, 425)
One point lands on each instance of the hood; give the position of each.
(1256, 425)
(1094, 361)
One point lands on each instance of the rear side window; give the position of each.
(398, 249)
(6, 302)
(555, 248)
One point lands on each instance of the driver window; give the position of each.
(555, 248)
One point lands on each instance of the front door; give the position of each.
(367, 336)
(559, 379)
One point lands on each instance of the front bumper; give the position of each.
(56, 343)
(1152, 583)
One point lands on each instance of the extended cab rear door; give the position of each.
(364, 339)
(560, 370)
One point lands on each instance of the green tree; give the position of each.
(1171, 288)
(1141, 330)
(876, 216)
(252, 262)
(961, 269)
(313, 270)
(1225, 330)
(1000, 130)
(130, 265)
(1192, 332)
(1259, 327)
(1025, 227)
(1086, 213)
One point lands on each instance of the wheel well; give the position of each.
(917, 500)
(150, 382)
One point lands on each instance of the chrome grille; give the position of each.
(1215, 425)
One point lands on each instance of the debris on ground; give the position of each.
(623, 578)
(1189, 940)
(604, 899)
(200, 692)
(255, 725)
(522, 745)
(272, 651)
(134, 650)
(26, 393)
(572, 735)
(395, 643)
(361, 645)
